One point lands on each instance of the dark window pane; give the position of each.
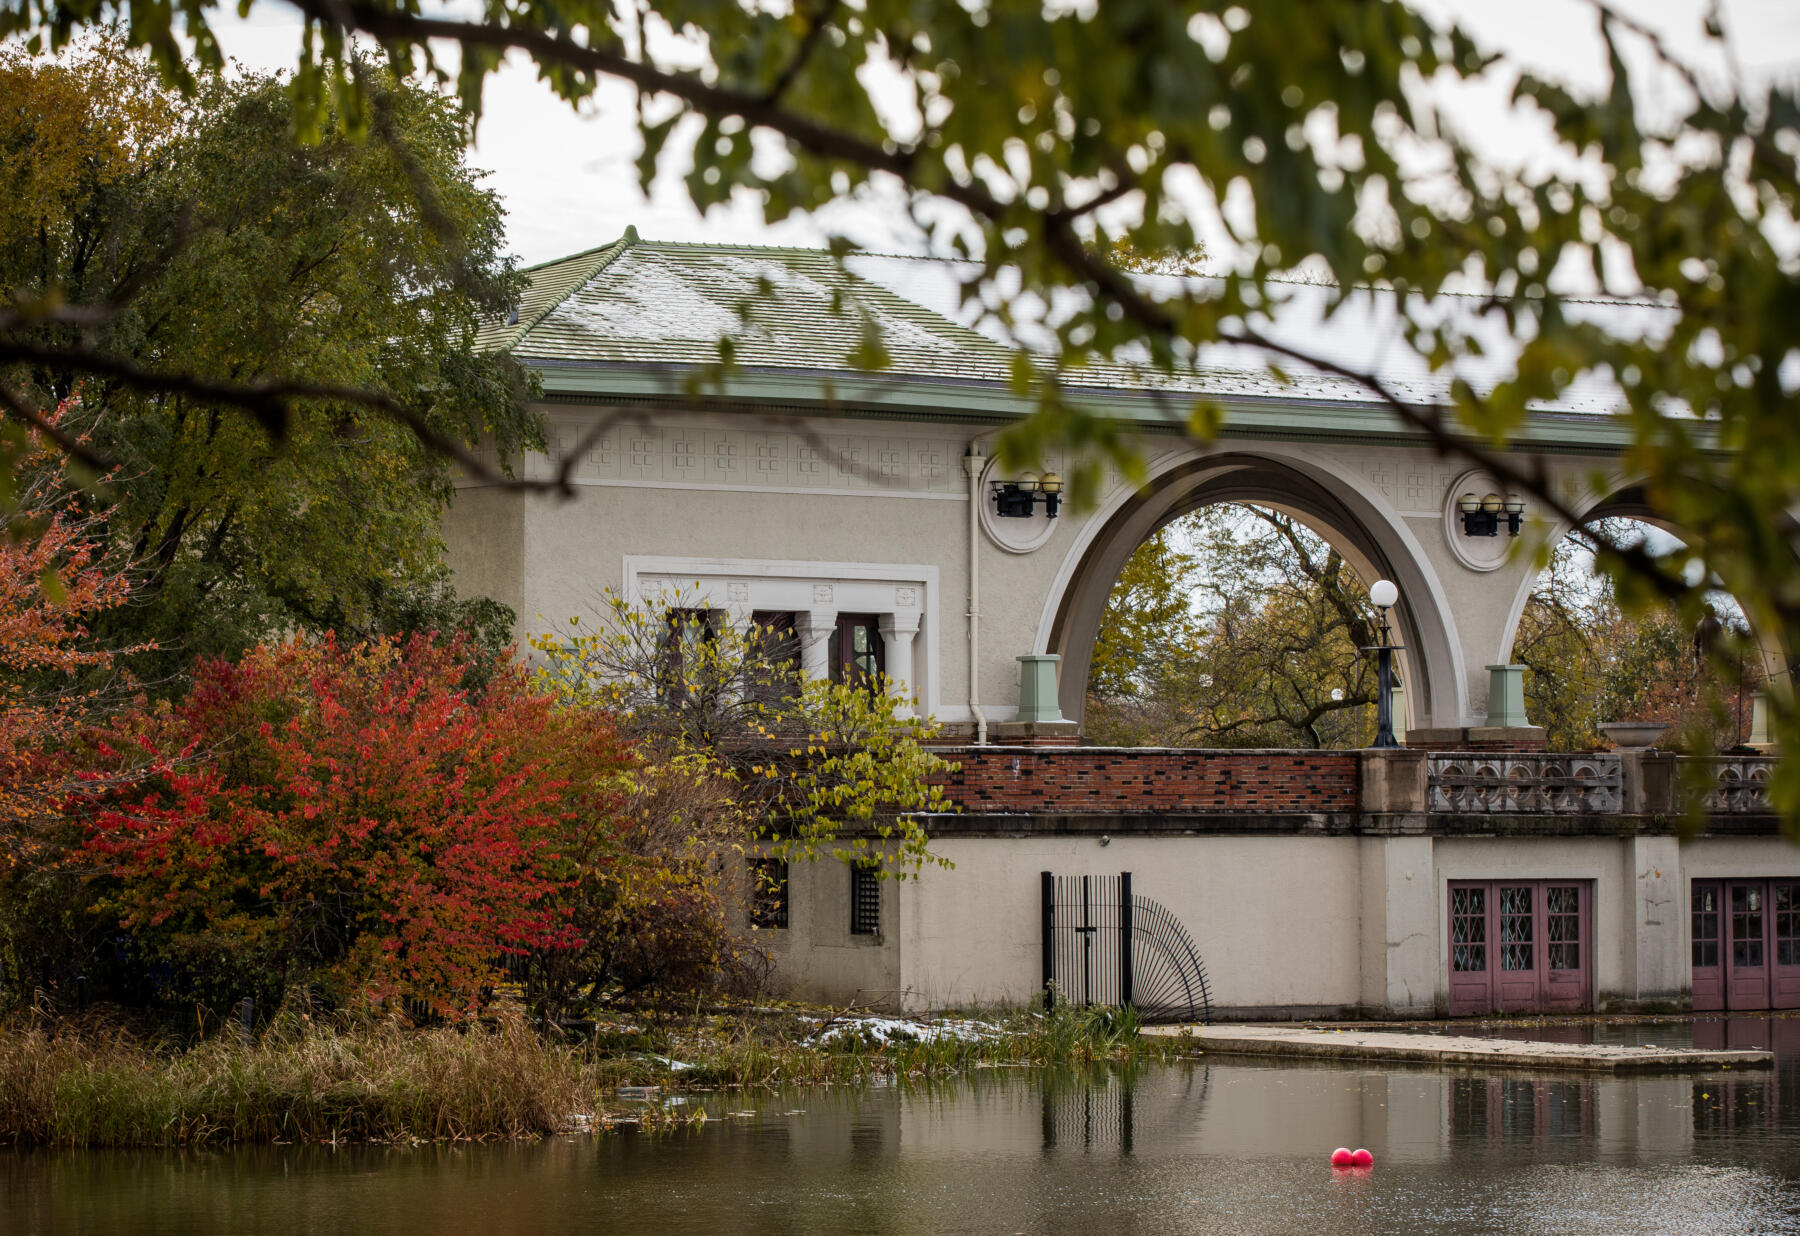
(1787, 924)
(768, 892)
(685, 668)
(775, 673)
(1516, 952)
(1747, 925)
(1468, 930)
(856, 655)
(1562, 926)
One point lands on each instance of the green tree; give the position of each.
(238, 254)
(1149, 624)
(1034, 136)
(1589, 661)
(1235, 626)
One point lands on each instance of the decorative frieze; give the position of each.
(697, 456)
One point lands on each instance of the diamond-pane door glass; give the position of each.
(1515, 928)
(1746, 925)
(1706, 926)
(1468, 929)
(1787, 924)
(1562, 926)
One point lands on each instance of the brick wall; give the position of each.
(1150, 779)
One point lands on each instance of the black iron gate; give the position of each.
(1104, 945)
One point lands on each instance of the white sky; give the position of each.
(568, 182)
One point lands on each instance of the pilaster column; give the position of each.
(813, 628)
(897, 631)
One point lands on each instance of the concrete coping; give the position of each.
(1398, 1047)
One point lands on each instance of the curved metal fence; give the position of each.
(1105, 945)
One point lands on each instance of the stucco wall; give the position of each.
(484, 544)
(1275, 918)
(894, 492)
(1303, 925)
(817, 958)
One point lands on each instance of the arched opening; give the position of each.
(1235, 625)
(1371, 540)
(1592, 660)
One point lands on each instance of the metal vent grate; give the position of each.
(865, 901)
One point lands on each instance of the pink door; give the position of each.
(1746, 960)
(1471, 985)
(1564, 917)
(1709, 962)
(1516, 979)
(1521, 946)
(1784, 973)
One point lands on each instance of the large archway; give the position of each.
(1339, 507)
(1780, 650)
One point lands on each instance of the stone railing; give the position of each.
(1738, 785)
(1472, 783)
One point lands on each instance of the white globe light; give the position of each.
(1384, 594)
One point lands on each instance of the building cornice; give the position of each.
(874, 396)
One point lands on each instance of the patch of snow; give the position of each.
(888, 1029)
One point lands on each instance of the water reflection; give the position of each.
(1098, 1110)
(1213, 1146)
(1499, 1109)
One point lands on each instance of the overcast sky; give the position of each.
(567, 179)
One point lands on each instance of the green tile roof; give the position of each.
(551, 283)
(661, 303)
(616, 321)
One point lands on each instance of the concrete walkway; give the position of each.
(1389, 1045)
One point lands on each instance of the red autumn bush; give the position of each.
(380, 821)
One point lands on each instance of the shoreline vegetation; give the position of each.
(89, 1085)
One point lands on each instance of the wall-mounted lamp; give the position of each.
(1481, 516)
(1018, 499)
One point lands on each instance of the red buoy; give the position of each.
(1359, 1158)
(1341, 1157)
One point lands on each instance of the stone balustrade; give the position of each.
(1538, 783)
(1737, 784)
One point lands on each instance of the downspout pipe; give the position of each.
(973, 463)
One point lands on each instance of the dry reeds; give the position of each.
(382, 1083)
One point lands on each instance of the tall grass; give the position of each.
(382, 1083)
(86, 1088)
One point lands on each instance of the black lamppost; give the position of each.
(1384, 595)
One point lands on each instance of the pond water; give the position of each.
(1215, 1146)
